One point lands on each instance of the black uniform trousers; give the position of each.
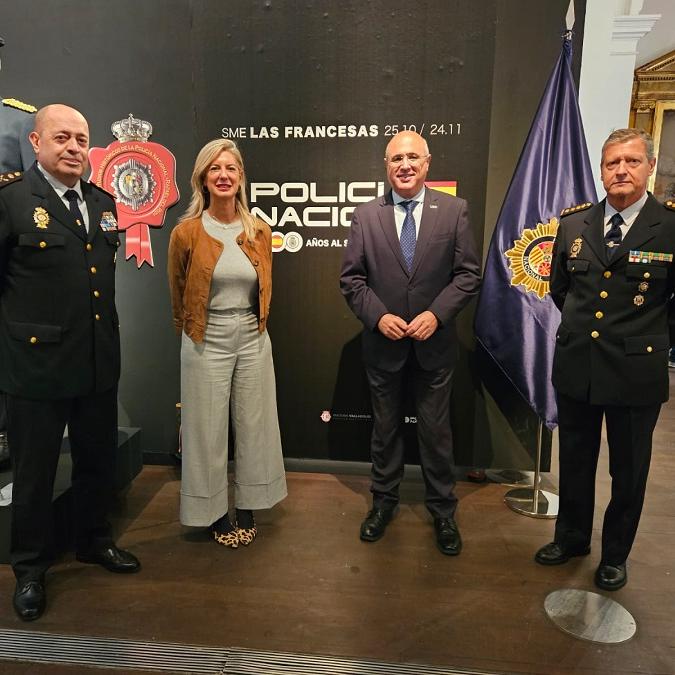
(432, 398)
(35, 434)
(629, 436)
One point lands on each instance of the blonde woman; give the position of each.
(220, 277)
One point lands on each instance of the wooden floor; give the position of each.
(308, 584)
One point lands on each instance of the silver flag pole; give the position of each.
(533, 501)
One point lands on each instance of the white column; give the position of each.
(611, 34)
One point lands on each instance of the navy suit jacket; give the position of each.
(445, 275)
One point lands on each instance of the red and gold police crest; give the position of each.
(142, 177)
(531, 256)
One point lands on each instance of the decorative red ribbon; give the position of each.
(138, 243)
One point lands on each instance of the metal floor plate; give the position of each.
(104, 652)
(590, 616)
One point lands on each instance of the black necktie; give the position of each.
(613, 236)
(73, 199)
(408, 233)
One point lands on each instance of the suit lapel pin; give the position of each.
(41, 218)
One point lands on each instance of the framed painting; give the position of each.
(662, 182)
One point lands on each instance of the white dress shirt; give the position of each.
(629, 214)
(399, 211)
(61, 190)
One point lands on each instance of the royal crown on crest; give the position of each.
(131, 129)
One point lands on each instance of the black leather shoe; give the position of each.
(556, 554)
(611, 577)
(373, 527)
(30, 600)
(447, 536)
(112, 558)
(476, 476)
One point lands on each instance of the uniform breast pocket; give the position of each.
(578, 266)
(112, 238)
(646, 271)
(113, 241)
(40, 249)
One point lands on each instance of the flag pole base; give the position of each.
(533, 503)
(589, 616)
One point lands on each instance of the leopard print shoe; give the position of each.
(230, 539)
(247, 535)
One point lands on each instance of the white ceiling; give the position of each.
(661, 39)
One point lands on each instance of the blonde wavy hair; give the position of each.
(200, 196)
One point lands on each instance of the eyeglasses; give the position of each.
(413, 159)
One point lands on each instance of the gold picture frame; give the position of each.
(653, 109)
(662, 181)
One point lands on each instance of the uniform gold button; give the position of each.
(97, 294)
(595, 334)
(603, 294)
(43, 244)
(599, 315)
(607, 274)
(97, 317)
(92, 270)
(33, 340)
(646, 275)
(88, 247)
(650, 349)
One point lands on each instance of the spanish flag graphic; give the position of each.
(447, 186)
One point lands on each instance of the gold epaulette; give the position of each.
(670, 204)
(575, 209)
(19, 105)
(9, 177)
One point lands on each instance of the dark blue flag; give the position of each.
(516, 319)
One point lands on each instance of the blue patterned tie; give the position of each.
(408, 233)
(613, 236)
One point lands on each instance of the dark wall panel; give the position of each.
(110, 59)
(198, 68)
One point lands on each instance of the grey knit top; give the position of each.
(234, 284)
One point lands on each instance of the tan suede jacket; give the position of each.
(193, 255)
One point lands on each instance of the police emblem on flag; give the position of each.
(530, 258)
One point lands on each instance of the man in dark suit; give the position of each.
(410, 266)
(613, 279)
(59, 350)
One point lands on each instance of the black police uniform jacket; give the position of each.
(59, 332)
(617, 315)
